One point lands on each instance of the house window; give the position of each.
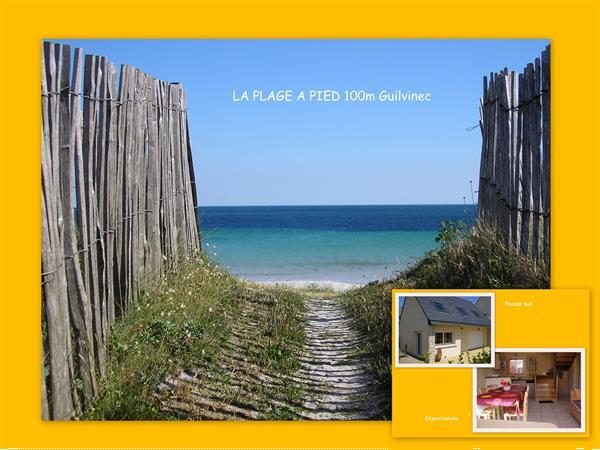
(443, 338)
(516, 366)
(440, 307)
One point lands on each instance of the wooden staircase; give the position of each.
(564, 360)
(546, 387)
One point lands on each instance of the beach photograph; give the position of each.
(223, 221)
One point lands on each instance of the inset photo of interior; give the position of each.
(531, 390)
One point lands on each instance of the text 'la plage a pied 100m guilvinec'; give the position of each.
(329, 96)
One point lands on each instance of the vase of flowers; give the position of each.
(505, 385)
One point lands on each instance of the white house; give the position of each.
(437, 328)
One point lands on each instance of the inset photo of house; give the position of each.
(444, 330)
(531, 390)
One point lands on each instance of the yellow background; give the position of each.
(573, 27)
(558, 318)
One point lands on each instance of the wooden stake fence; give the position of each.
(118, 206)
(514, 180)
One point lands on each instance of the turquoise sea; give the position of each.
(349, 244)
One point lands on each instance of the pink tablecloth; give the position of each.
(499, 397)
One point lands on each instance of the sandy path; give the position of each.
(333, 383)
(337, 382)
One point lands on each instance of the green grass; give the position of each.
(315, 290)
(467, 259)
(187, 320)
(235, 335)
(475, 259)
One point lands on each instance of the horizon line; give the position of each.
(339, 204)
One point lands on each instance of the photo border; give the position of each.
(397, 310)
(582, 370)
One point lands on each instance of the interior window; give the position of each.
(516, 366)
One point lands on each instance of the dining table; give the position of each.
(499, 398)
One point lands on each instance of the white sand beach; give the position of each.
(336, 286)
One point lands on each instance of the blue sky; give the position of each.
(328, 153)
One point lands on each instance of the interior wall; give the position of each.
(564, 383)
(544, 362)
(482, 373)
(574, 374)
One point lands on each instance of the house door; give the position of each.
(419, 352)
(475, 339)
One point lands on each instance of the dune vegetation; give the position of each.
(200, 317)
(201, 344)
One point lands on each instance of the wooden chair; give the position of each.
(525, 406)
(487, 413)
(515, 413)
(512, 412)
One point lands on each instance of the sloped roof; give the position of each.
(484, 305)
(452, 310)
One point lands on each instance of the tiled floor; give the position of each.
(557, 413)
